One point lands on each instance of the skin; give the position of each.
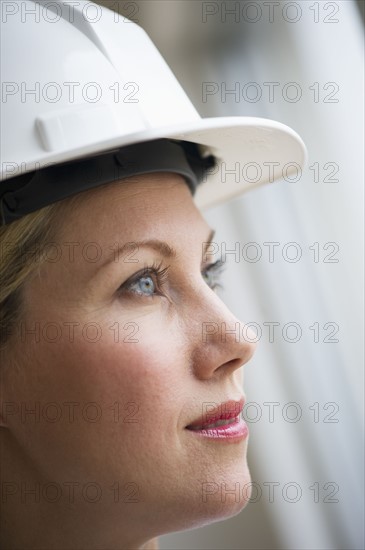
(160, 383)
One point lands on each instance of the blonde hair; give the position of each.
(23, 246)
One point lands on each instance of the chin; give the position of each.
(221, 499)
(205, 502)
(227, 498)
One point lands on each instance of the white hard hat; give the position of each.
(82, 82)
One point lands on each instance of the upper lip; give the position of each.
(224, 411)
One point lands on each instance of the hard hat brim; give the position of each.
(251, 151)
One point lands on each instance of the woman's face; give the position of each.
(116, 366)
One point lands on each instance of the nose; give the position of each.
(220, 342)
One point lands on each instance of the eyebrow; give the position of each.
(162, 247)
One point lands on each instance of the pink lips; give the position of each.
(234, 429)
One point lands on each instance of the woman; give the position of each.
(121, 374)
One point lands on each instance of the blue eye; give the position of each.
(143, 285)
(147, 282)
(212, 273)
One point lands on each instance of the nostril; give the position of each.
(231, 366)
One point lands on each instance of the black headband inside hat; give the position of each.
(28, 192)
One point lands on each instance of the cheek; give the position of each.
(140, 364)
(106, 401)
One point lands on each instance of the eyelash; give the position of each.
(162, 275)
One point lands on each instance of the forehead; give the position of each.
(155, 203)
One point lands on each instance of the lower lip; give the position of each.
(235, 431)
